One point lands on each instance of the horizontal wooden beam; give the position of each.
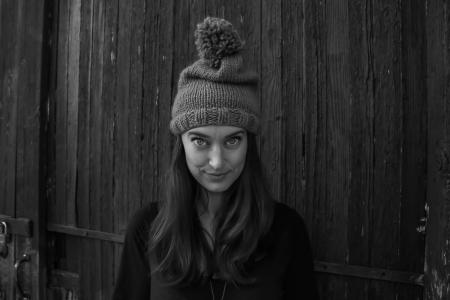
(369, 273)
(18, 226)
(65, 280)
(319, 266)
(86, 233)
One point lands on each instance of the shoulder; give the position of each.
(140, 222)
(287, 215)
(288, 221)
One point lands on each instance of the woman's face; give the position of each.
(215, 155)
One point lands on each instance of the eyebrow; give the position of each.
(206, 136)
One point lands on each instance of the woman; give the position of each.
(218, 235)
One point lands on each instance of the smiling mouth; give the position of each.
(217, 175)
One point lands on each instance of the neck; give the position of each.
(212, 203)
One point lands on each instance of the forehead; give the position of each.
(214, 131)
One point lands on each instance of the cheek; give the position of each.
(238, 159)
(194, 160)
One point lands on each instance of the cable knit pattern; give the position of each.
(222, 92)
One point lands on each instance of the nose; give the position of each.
(216, 159)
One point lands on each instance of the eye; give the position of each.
(234, 141)
(199, 142)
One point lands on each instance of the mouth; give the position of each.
(216, 176)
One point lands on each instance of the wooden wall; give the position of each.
(437, 256)
(344, 130)
(23, 87)
(344, 139)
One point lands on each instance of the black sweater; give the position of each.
(285, 273)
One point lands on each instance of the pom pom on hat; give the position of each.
(215, 39)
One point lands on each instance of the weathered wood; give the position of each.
(361, 140)
(151, 96)
(58, 205)
(369, 273)
(273, 115)
(122, 111)
(64, 279)
(163, 98)
(293, 93)
(8, 103)
(23, 71)
(333, 158)
(100, 57)
(73, 78)
(103, 284)
(437, 254)
(385, 206)
(87, 60)
(414, 144)
(72, 141)
(19, 226)
(88, 233)
(314, 138)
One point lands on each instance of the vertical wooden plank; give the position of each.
(186, 16)
(246, 19)
(196, 11)
(108, 136)
(124, 136)
(437, 253)
(388, 137)
(164, 96)
(311, 58)
(8, 103)
(338, 109)
(9, 71)
(414, 144)
(86, 74)
(22, 187)
(60, 202)
(50, 124)
(310, 92)
(130, 198)
(316, 80)
(99, 58)
(29, 164)
(150, 103)
(135, 105)
(73, 74)
(273, 117)
(293, 94)
(127, 161)
(158, 85)
(122, 110)
(314, 77)
(361, 183)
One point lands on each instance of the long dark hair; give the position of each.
(178, 249)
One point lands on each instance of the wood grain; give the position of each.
(438, 147)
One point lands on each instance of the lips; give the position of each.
(216, 176)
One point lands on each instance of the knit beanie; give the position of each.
(217, 89)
